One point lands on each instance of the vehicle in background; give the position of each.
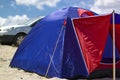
(14, 34)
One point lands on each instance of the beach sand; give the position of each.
(7, 73)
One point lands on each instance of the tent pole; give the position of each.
(114, 68)
(51, 58)
(79, 45)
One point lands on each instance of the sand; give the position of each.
(7, 73)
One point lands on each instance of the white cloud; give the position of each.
(2, 21)
(38, 3)
(106, 6)
(83, 4)
(12, 20)
(86, 4)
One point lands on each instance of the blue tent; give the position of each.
(51, 49)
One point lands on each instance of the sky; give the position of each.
(18, 11)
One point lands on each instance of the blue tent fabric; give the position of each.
(73, 63)
(36, 56)
(107, 54)
(51, 48)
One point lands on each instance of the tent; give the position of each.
(106, 64)
(51, 48)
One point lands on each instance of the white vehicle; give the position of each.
(14, 34)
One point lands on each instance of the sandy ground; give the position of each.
(8, 73)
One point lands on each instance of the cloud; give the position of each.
(83, 4)
(86, 4)
(38, 3)
(2, 21)
(12, 20)
(106, 6)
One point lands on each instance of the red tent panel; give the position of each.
(92, 33)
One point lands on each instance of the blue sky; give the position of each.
(13, 7)
(13, 11)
